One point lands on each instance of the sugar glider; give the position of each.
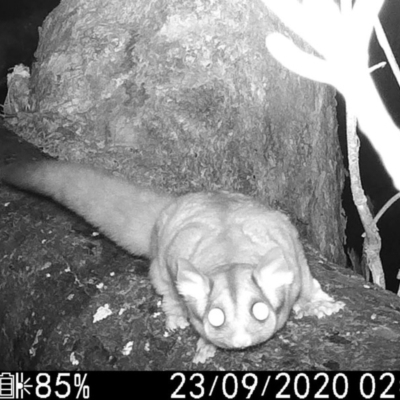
(222, 261)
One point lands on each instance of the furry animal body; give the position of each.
(222, 261)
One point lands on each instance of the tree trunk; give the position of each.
(185, 96)
(56, 275)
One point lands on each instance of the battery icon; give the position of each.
(7, 386)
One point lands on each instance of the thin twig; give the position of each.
(386, 206)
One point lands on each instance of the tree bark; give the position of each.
(56, 275)
(185, 96)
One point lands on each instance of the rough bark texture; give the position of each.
(55, 274)
(185, 96)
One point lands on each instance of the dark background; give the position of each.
(376, 181)
(19, 22)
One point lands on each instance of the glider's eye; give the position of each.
(216, 317)
(260, 311)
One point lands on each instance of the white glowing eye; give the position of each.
(260, 311)
(216, 317)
